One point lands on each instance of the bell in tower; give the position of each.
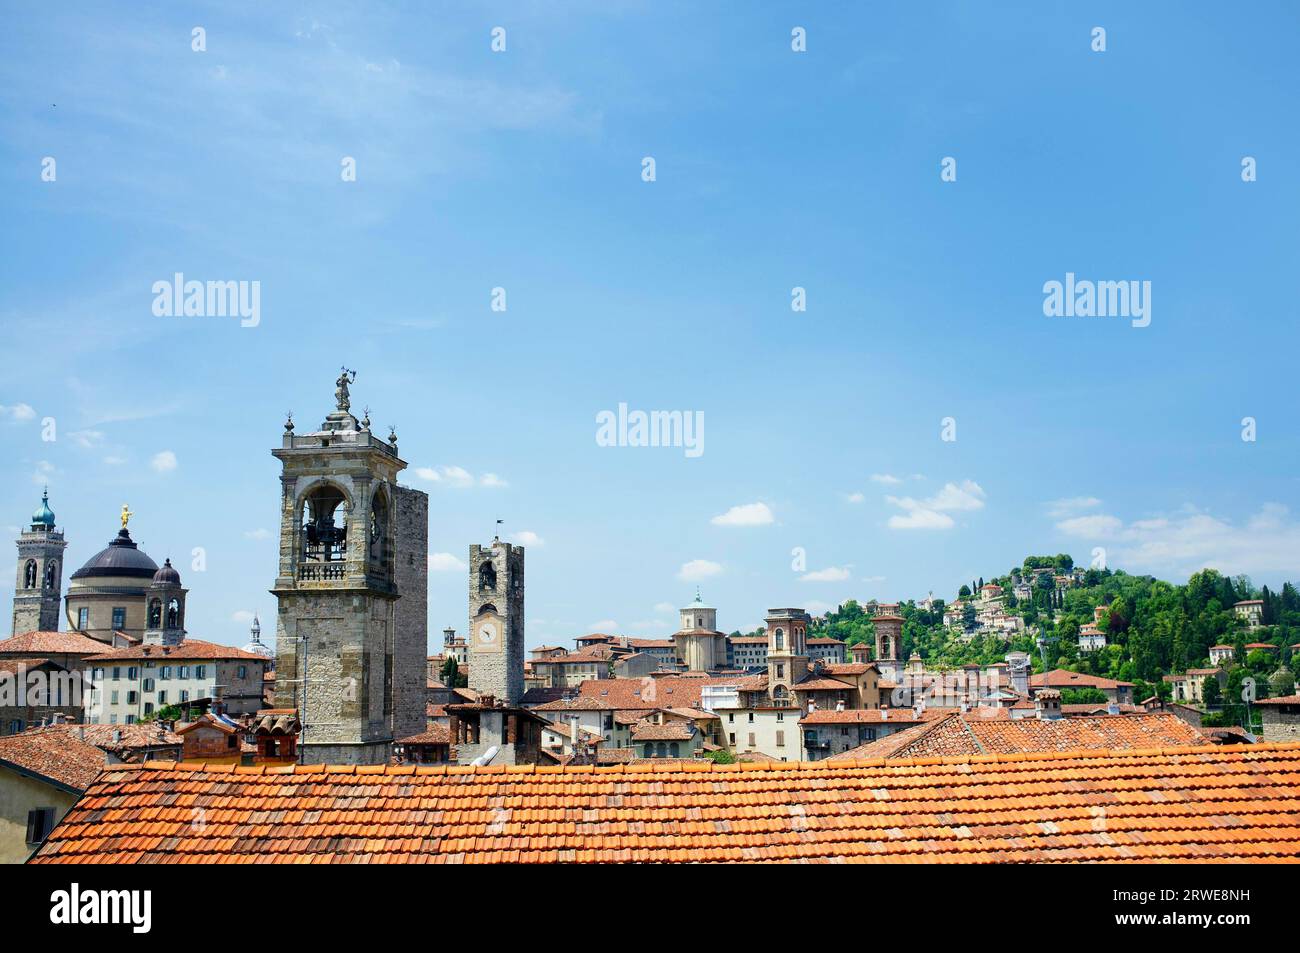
(351, 630)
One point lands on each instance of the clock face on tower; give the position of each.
(487, 635)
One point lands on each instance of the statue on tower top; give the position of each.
(341, 392)
(126, 515)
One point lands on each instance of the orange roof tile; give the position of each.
(1195, 803)
(51, 643)
(188, 649)
(53, 754)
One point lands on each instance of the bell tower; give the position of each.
(38, 587)
(165, 608)
(787, 654)
(346, 658)
(496, 620)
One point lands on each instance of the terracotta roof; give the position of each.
(1260, 645)
(871, 716)
(1192, 803)
(436, 735)
(1061, 678)
(848, 668)
(51, 753)
(1280, 700)
(668, 731)
(822, 685)
(823, 640)
(51, 643)
(188, 649)
(621, 693)
(970, 734)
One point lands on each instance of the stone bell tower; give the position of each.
(496, 620)
(347, 658)
(39, 584)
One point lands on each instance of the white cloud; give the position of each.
(856, 497)
(817, 607)
(1058, 509)
(873, 578)
(242, 616)
(603, 625)
(698, 569)
(445, 562)
(921, 519)
(458, 477)
(87, 439)
(1191, 539)
(17, 412)
(746, 514)
(526, 537)
(886, 478)
(829, 574)
(1095, 526)
(259, 533)
(665, 608)
(932, 512)
(164, 462)
(44, 470)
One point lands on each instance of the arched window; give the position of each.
(487, 577)
(662, 751)
(780, 695)
(325, 525)
(649, 750)
(52, 574)
(174, 614)
(675, 750)
(155, 613)
(884, 647)
(780, 639)
(380, 550)
(29, 575)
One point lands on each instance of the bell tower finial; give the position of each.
(126, 516)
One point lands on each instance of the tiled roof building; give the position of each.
(1195, 803)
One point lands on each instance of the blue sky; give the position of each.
(774, 169)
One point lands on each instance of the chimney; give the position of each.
(812, 705)
(965, 704)
(1047, 704)
(884, 714)
(1112, 709)
(839, 705)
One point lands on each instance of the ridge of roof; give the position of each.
(704, 765)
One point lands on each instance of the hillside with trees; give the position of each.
(1153, 628)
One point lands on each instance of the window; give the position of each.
(83, 619)
(165, 672)
(200, 671)
(183, 671)
(185, 696)
(97, 675)
(242, 672)
(162, 698)
(132, 698)
(130, 719)
(732, 738)
(117, 673)
(751, 739)
(148, 708)
(148, 684)
(114, 698)
(780, 739)
(40, 821)
(780, 640)
(731, 717)
(844, 732)
(675, 750)
(780, 716)
(15, 726)
(119, 617)
(112, 719)
(751, 717)
(29, 575)
(132, 673)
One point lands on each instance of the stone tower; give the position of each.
(787, 653)
(346, 658)
(38, 587)
(496, 620)
(889, 645)
(165, 608)
(700, 646)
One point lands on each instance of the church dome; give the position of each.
(120, 558)
(44, 516)
(167, 574)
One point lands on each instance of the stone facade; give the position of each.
(496, 621)
(337, 644)
(411, 614)
(38, 585)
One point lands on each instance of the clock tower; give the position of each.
(496, 621)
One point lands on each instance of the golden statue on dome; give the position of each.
(126, 515)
